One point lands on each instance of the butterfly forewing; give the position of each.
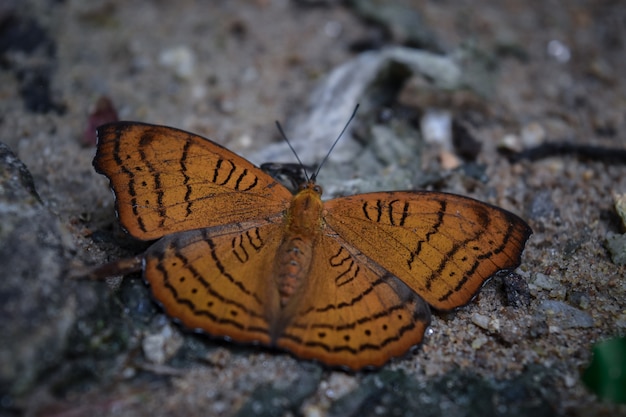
(443, 246)
(166, 180)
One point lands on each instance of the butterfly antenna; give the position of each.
(335, 143)
(282, 133)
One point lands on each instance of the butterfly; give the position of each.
(347, 282)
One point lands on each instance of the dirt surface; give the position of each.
(542, 73)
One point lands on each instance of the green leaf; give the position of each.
(606, 374)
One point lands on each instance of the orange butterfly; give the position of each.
(346, 282)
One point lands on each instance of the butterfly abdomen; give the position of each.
(293, 264)
(303, 226)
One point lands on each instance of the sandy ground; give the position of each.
(547, 72)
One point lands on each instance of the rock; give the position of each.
(563, 316)
(365, 79)
(403, 22)
(516, 290)
(616, 244)
(456, 393)
(38, 307)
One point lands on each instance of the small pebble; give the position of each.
(544, 282)
(620, 207)
(480, 320)
(339, 384)
(436, 127)
(511, 142)
(532, 134)
(570, 380)
(310, 410)
(559, 51)
(160, 347)
(180, 59)
(449, 161)
(479, 342)
(494, 325)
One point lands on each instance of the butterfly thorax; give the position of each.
(303, 226)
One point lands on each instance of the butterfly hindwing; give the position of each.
(355, 314)
(216, 279)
